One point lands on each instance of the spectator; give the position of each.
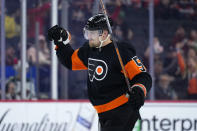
(11, 58)
(12, 29)
(30, 87)
(192, 42)
(44, 64)
(192, 75)
(191, 53)
(10, 90)
(170, 61)
(158, 51)
(175, 66)
(185, 77)
(158, 48)
(179, 37)
(43, 52)
(164, 90)
(158, 69)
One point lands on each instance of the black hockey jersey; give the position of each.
(106, 82)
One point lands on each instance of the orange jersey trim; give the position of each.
(77, 64)
(142, 87)
(112, 104)
(132, 69)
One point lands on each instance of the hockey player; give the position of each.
(117, 107)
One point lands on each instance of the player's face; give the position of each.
(92, 37)
(94, 42)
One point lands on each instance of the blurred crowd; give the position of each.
(175, 44)
(38, 49)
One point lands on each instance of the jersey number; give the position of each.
(139, 64)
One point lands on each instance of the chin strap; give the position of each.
(102, 41)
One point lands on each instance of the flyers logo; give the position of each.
(97, 69)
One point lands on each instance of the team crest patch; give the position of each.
(97, 69)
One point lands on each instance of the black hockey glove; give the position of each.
(137, 97)
(58, 34)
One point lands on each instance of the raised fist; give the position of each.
(59, 34)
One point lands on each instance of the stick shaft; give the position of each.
(115, 45)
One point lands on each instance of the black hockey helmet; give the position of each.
(98, 22)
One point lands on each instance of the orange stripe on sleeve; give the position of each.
(132, 69)
(77, 64)
(142, 87)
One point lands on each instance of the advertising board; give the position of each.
(80, 116)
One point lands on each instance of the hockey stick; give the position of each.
(115, 45)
